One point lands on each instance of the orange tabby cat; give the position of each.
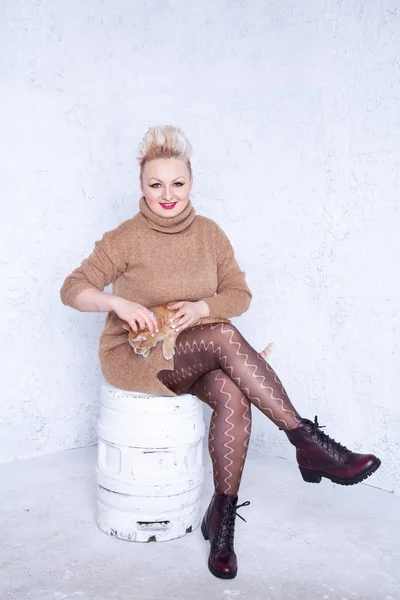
(142, 342)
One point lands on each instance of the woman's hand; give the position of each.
(188, 314)
(137, 315)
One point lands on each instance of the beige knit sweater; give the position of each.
(154, 260)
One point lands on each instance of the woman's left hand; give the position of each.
(188, 314)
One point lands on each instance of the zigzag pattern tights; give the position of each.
(216, 363)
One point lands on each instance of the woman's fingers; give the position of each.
(183, 310)
(179, 322)
(178, 315)
(140, 321)
(138, 316)
(175, 305)
(184, 324)
(155, 325)
(138, 324)
(151, 323)
(146, 321)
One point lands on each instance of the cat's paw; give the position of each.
(168, 348)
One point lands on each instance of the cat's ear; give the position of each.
(126, 326)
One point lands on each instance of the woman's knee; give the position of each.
(227, 336)
(220, 331)
(227, 328)
(222, 389)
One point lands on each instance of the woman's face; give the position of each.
(166, 184)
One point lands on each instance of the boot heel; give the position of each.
(204, 530)
(310, 476)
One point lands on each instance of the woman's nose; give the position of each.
(168, 194)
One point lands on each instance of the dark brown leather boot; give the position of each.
(218, 526)
(319, 456)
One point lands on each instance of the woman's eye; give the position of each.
(156, 185)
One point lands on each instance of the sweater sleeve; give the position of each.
(233, 296)
(98, 270)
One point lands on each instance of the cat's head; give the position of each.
(141, 341)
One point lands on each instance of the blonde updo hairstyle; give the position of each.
(164, 141)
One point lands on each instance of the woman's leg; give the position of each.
(216, 363)
(228, 439)
(230, 428)
(209, 347)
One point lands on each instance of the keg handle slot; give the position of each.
(150, 525)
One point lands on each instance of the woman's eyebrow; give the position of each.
(180, 177)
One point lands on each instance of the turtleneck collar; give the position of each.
(164, 224)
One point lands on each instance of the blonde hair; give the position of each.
(164, 141)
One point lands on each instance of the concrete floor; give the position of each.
(301, 541)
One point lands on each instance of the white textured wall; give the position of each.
(293, 111)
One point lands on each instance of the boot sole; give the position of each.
(210, 567)
(315, 476)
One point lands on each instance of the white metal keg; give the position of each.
(149, 464)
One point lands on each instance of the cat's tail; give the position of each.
(267, 351)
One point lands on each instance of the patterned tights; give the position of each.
(216, 363)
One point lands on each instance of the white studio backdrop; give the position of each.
(293, 112)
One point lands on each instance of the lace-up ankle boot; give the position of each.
(218, 526)
(318, 455)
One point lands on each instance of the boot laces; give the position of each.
(325, 440)
(227, 527)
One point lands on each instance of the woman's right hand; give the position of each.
(135, 314)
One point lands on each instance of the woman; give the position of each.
(167, 253)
